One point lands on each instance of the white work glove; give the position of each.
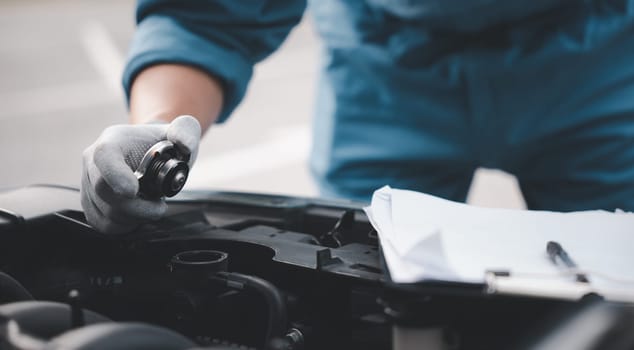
(109, 188)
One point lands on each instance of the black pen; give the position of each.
(555, 250)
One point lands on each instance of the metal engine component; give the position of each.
(163, 171)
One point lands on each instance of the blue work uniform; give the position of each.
(419, 93)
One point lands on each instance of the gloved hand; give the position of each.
(109, 188)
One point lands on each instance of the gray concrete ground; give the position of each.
(60, 64)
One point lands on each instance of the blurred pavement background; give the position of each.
(60, 66)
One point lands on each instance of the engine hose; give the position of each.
(120, 336)
(11, 290)
(277, 311)
(46, 319)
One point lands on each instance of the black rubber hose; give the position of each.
(120, 336)
(45, 319)
(11, 290)
(276, 302)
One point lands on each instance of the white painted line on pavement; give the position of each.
(108, 62)
(286, 146)
(103, 54)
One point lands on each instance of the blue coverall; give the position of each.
(419, 93)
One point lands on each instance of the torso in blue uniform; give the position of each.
(419, 93)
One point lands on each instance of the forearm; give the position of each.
(165, 91)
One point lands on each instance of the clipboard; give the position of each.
(501, 251)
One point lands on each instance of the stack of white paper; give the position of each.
(429, 238)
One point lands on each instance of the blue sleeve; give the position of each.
(225, 38)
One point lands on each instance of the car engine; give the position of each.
(225, 271)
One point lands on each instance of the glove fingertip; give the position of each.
(161, 209)
(126, 187)
(185, 131)
(96, 219)
(150, 210)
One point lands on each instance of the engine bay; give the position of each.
(225, 271)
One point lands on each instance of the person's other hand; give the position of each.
(109, 188)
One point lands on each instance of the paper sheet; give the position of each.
(424, 237)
